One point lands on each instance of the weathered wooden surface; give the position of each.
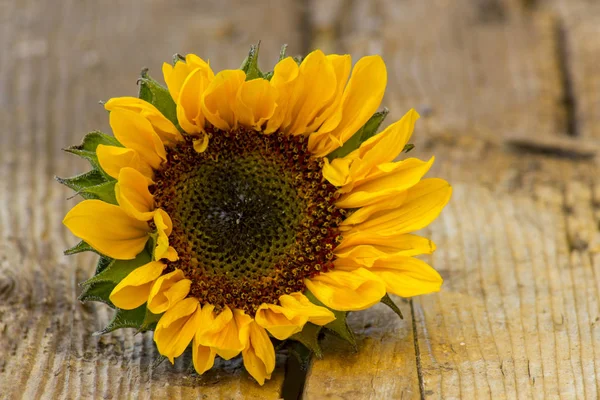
(510, 97)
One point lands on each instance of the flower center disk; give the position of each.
(252, 216)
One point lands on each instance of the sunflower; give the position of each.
(238, 208)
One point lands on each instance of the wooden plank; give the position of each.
(579, 29)
(59, 59)
(466, 65)
(517, 315)
(383, 367)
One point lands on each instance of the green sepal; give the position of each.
(105, 192)
(79, 248)
(282, 52)
(339, 326)
(387, 300)
(157, 361)
(250, 64)
(408, 147)
(368, 130)
(309, 337)
(149, 322)
(103, 263)
(87, 149)
(151, 244)
(157, 95)
(177, 58)
(125, 319)
(83, 181)
(98, 291)
(119, 269)
(282, 56)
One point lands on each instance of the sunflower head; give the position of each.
(237, 208)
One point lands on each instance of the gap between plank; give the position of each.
(417, 351)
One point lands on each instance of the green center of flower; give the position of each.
(252, 216)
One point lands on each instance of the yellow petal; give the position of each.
(285, 76)
(360, 100)
(279, 321)
(203, 357)
(201, 144)
(317, 90)
(164, 226)
(164, 128)
(301, 305)
(259, 354)
(341, 65)
(133, 195)
(108, 229)
(338, 171)
(176, 75)
(362, 249)
(221, 332)
(167, 291)
(255, 103)
(177, 327)
(423, 204)
(347, 291)
(366, 213)
(112, 159)
(189, 104)
(383, 147)
(218, 100)
(381, 185)
(135, 132)
(134, 289)
(407, 276)
(290, 317)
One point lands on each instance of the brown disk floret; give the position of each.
(252, 216)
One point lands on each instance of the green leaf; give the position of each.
(309, 337)
(92, 185)
(119, 269)
(79, 248)
(387, 300)
(125, 319)
(250, 64)
(157, 95)
(103, 263)
(83, 181)
(408, 147)
(98, 291)
(87, 149)
(368, 130)
(150, 321)
(105, 192)
(339, 326)
(301, 352)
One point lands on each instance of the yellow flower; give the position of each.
(255, 227)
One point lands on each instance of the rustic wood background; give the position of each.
(509, 91)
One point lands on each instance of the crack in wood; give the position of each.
(568, 91)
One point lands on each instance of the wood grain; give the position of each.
(580, 26)
(493, 81)
(384, 367)
(59, 59)
(467, 66)
(508, 92)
